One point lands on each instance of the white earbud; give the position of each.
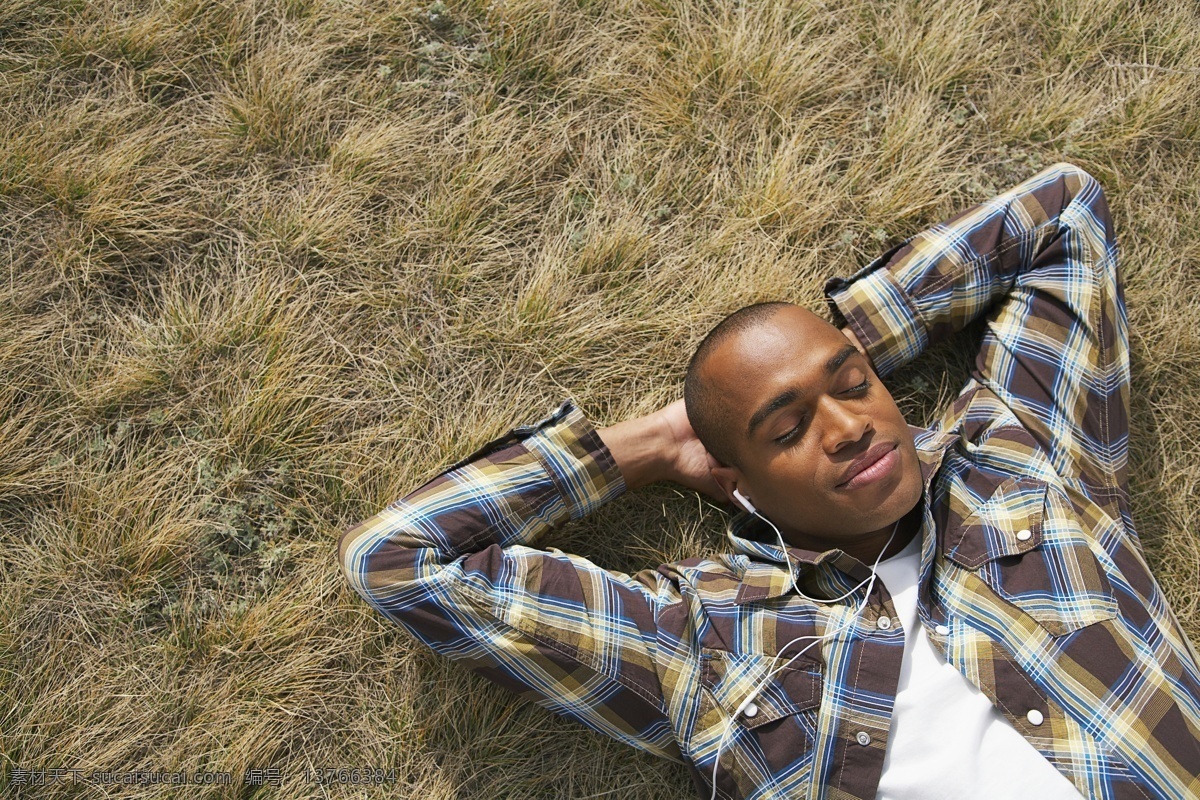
(745, 501)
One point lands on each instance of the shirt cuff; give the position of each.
(576, 458)
(881, 314)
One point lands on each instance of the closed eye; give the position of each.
(790, 435)
(853, 391)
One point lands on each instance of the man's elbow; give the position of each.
(1086, 185)
(343, 547)
(350, 557)
(1067, 168)
(370, 556)
(1094, 219)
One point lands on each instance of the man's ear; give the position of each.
(728, 478)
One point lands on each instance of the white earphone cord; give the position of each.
(818, 639)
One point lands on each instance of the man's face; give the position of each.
(822, 449)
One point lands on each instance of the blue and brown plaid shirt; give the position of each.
(1032, 580)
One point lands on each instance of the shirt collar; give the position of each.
(750, 536)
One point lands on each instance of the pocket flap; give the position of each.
(780, 688)
(1008, 523)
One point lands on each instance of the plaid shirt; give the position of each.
(1063, 619)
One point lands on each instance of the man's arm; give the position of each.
(455, 563)
(661, 446)
(1040, 261)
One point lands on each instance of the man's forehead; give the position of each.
(791, 343)
(776, 337)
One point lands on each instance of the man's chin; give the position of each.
(888, 508)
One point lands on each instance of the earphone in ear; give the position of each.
(745, 501)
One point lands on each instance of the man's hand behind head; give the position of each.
(661, 447)
(692, 464)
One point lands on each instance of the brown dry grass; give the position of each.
(270, 263)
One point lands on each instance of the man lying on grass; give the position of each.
(959, 611)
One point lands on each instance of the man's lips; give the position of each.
(870, 466)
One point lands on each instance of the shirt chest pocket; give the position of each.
(1027, 544)
(758, 719)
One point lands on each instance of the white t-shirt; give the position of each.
(948, 741)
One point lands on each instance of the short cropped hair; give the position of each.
(707, 413)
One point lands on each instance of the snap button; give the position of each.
(863, 738)
(941, 630)
(1024, 534)
(884, 623)
(750, 711)
(1034, 716)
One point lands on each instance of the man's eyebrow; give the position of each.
(832, 365)
(837, 359)
(777, 402)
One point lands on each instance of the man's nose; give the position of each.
(844, 425)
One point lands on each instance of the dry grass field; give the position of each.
(269, 264)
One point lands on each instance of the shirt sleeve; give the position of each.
(455, 563)
(1040, 261)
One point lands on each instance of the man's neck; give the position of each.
(889, 540)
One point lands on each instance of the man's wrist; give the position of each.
(576, 458)
(642, 448)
